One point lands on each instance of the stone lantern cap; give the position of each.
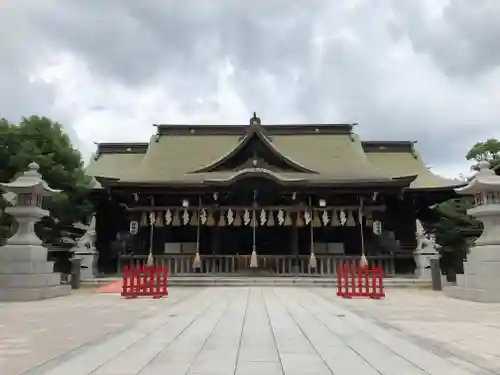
(484, 180)
(29, 181)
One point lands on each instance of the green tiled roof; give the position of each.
(335, 157)
(113, 165)
(115, 160)
(399, 163)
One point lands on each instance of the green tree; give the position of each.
(452, 226)
(454, 232)
(42, 140)
(487, 150)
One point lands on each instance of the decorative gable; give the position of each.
(255, 150)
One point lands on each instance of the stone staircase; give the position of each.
(198, 281)
(269, 281)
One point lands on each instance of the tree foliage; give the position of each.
(488, 150)
(454, 232)
(453, 229)
(42, 140)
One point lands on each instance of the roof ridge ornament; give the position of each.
(255, 121)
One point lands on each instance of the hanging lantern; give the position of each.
(237, 219)
(203, 217)
(194, 219)
(288, 220)
(159, 220)
(222, 222)
(350, 219)
(230, 217)
(176, 222)
(247, 218)
(281, 217)
(144, 220)
(185, 217)
(324, 218)
(335, 222)
(168, 217)
(263, 217)
(270, 219)
(307, 217)
(343, 217)
(210, 220)
(377, 227)
(134, 227)
(316, 222)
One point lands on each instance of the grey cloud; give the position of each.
(279, 72)
(22, 47)
(132, 40)
(464, 41)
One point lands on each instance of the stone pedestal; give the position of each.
(481, 279)
(423, 265)
(25, 273)
(88, 264)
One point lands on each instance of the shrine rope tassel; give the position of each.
(360, 281)
(143, 281)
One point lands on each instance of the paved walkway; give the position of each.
(469, 331)
(209, 331)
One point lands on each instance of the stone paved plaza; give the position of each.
(256, 330)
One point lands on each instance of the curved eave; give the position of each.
(293, 164)
(399, 183)
(475, 187)
(26, 185)
(105, 182)
(254, 173)
(435, 189)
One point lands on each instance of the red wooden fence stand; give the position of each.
(360, 281)
(144, 281)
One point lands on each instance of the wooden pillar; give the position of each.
(215, 240)
(295, 240)
(295, 248)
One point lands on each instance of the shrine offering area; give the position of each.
(277, 199)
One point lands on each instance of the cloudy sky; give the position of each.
(426, 70)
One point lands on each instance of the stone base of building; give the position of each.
(474, 295)
(26, 275)
(481, 276)
(33, 294)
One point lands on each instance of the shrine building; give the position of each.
(272, 199)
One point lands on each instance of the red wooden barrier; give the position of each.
(144, 281)
(360, 281)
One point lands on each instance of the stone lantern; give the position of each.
(25, 273)
(481, 279)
